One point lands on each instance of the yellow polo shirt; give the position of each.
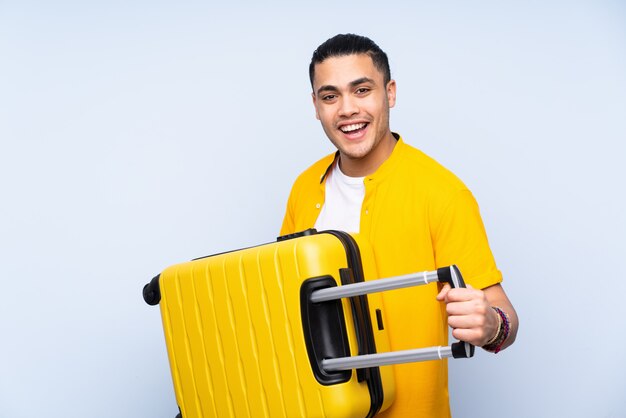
(418, 216)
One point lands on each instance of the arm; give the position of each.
(471, 316)
(460, 239)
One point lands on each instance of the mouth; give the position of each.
(354, 129)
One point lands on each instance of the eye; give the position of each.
(329, 97)
(362, 90)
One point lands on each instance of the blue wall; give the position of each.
(138, 134)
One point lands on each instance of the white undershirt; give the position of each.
(342, 205)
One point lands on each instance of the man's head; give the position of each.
(349, 44)
(352, 95)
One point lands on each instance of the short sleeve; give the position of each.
(460, 238)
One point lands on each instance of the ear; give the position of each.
(317, 115)
(391, 93)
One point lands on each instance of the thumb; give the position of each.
(444, 292)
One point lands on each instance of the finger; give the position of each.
(467, 307)
(466, 321)
(473, 328)
(468, 335)
(462, 294)
(444, 291)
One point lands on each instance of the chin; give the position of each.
(357, 151)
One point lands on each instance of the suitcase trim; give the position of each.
(363, 325)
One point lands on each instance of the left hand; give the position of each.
(469, 314)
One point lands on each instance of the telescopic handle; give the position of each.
(396, 357)
(450, 275)
(374, 286)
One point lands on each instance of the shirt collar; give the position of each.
(383, 168)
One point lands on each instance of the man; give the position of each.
(417, 215)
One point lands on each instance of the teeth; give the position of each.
(353, 127)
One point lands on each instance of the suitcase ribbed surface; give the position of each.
(233, 328)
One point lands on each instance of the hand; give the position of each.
(469, 314)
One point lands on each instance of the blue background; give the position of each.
(134, 135)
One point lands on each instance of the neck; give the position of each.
(369, 163)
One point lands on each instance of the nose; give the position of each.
(348, 107)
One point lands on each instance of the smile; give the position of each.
(352, 128)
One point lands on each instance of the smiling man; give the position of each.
(354, 111)
(417, 215)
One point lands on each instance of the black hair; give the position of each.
(348, 44)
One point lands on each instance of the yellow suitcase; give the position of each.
(263, 331)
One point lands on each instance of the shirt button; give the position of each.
(367, 212)
(318, 206)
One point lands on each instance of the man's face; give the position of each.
(352, 103)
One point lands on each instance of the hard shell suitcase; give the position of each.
(287, 329)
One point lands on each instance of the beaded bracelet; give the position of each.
(498, 332)
(495, 345)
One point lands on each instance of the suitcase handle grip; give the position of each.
(453, 277)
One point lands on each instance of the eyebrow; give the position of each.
(361, 80)
(353, 84)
